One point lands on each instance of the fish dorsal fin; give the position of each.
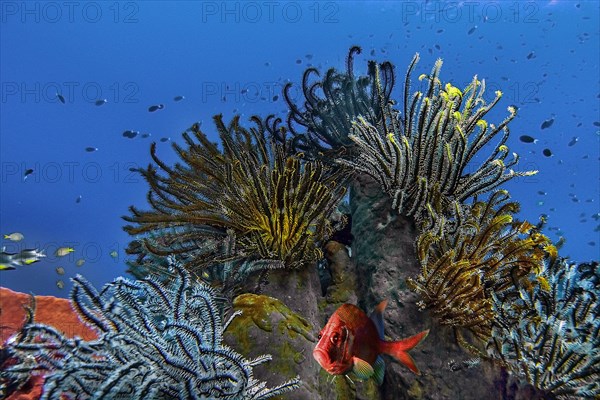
(377, 318)
(379, 369)
(362, 369)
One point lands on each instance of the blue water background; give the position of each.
(234, 58)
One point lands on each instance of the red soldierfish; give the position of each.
(351, 341)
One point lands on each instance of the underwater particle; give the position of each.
(15, 236)
(60, 284)
(91, 149)
(592, 243)
(164, 139)
(547, 152)
(28, 172)
(541, 193)
(101, 102)
(470, 32)
(540, 203)
(78, 199)
(178, 98)
(275, 98)
(309, 56)
(60, 98)
(60, 270)
(114, 254)
(527, 139)
(547, 123)
(596, 216)
(80, 262)
(130, 134)
(298, 61)
(63, 251)
(131, 169)
(573, 141)
(145, 135)
(531, 55)
(597, 123)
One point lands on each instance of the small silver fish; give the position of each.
(63, 251)
(15, 236)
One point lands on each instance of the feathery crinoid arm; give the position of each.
(487, 255)
(155, 341)
(554, 339)
(277, 205)
(420, 157)
(321, 127)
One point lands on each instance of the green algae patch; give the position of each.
(416, 390)
(267, 313)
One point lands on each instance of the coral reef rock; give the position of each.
(384, 253)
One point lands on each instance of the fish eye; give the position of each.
(335, 338)
(319, 336)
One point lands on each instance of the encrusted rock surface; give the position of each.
(282, 321)
(383, 251)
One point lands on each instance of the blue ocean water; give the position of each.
(234, 58)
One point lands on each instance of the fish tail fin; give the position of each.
(399, 350)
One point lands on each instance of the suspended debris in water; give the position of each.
(178, 98)
(275, 98)
(547, 123)
(91, 149)
(547, 152)
(114, 254)
(298, 61)
(60, 270)
(78, 199)
(531, 55)
(60, 98)
(145, 135)
(472, 30)
(101, 102)
(542, 193)
(165, 139)
(527, 139)
(573, 141)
